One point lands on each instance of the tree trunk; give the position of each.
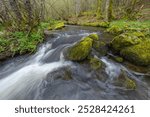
(28, 8)
(108, 10)
(99, 12)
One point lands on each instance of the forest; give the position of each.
(94, 48)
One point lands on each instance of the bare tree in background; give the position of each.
(16, 10)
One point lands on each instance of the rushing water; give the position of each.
(47, 75)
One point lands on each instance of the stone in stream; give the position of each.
(80, 50)
(134, 47)
(124, 81)
(124, 40)
(138, 54)
(95, 63)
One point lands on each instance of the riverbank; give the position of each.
(14, 43)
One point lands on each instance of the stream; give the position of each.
(46, 75)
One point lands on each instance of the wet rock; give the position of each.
(124, 40)
(124, 81)
(80, 50)
(95, 63)
(100, 47)
(94, 36)
(118, 59)
(138, 54)
(63, 74)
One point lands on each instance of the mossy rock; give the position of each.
(118, 59)
(95, 63)
(100, 47)
(124, 81)
(125, 40)
(80, 50)
(59, 25)
(104, 24)
(115, 30)
(94, 36)
(130, 84)
(138, 54)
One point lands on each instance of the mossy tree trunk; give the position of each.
(99, 12)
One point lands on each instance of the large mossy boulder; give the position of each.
(125, 40)
(138, 54)
(80, 50)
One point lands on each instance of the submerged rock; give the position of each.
(124, 81)
(80, 50)
(95, 63)
(138, 54)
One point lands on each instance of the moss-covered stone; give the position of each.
(95, 63)
(115, 30)
(56, 26)
(130, 84)
(94, 36)
(59, 25)
(125, 40)
(124, 81)
(118, 59)
(104, 24)
(80, 50)
(138, 54)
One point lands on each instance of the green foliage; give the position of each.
(120, 26)
(19, 42)
(52, 24)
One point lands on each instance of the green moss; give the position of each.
(124, 81)
(52, 25)
(130, 84)
(96, 24)
(120, 26)
(118, 59)
(104, 24)
(59, 26)
(95, 63)
(115, 30)
(125, 40)
(80, 50)
(94, 36)
(138, 54)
